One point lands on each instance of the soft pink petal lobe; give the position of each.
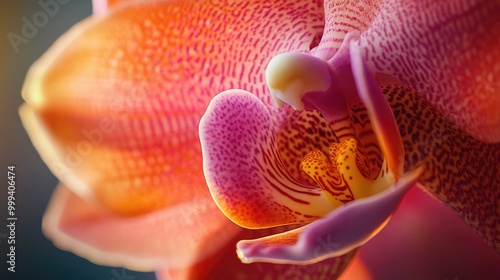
(244, 170)
(171, 236)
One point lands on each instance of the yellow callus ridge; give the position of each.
(342, 175)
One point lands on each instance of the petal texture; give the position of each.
(172, 236)
(461, 171)
(244, 170)
(119, 96)
(343, 17)
(343, 230)
(448, 51)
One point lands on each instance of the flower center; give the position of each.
(354, 167)
(344, 175)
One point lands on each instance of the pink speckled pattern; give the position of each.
(448, 51)
(244, 170)
(343, 17)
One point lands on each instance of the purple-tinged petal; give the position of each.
(225, 264)
(244, 171)
(343, 230)
(99, 7)
(379, 111)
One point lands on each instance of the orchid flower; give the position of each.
(114, 108)
(250, 159)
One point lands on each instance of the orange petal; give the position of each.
(118, 98)
(172, 236)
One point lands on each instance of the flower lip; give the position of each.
(333, 235)
(356, 222)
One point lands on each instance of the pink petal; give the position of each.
(343, 230)
(461, 171)
(425, 240)
(172, 236)
(448, 51)
(341, 18)
(118, 98)
(379, 111)
(226, 265)
(99, 7)
(243, 168)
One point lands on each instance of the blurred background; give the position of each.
(36, 257)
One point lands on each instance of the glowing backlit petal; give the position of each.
(426, 240)
(119, 96)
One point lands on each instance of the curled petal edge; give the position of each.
(343, 230)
